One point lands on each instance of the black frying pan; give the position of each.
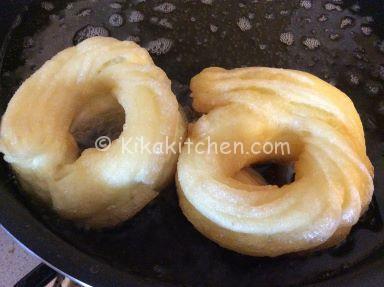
(340, 41)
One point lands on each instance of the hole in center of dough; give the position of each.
(270, 173)
(101, 117)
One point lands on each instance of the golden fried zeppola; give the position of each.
(333, 176)
(98, 77)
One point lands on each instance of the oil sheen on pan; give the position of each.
(341, 42)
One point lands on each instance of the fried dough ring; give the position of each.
(333, 184)
(96, 188)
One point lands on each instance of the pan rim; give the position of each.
(43, 243)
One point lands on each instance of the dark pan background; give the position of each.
(340, 41)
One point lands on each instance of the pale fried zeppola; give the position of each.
(99, 78)
(333, 182)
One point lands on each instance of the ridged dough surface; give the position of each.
(333, 182)
(95, 188)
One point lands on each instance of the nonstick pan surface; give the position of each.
(342, 42)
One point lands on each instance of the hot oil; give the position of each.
(340, 41)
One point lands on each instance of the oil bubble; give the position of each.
(366, 30)
(322, 18)
(307, 4)
(346, 22)
(269, 16)
(165, 23)
(262, 46)
(115, 5)
(159, 46)
(373, 87)
(334, 36)
(165, 7)
(135, 16)
(116, 20)
(311, 43)
(48, 6)
(133, 38)
(353, 78)
(89, 31)
(84, 12)
(369, 19)
(161, 22)
(332, 7)
(213, 28)
(287, 38)
(244, 24)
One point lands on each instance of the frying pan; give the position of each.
(340, 41)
